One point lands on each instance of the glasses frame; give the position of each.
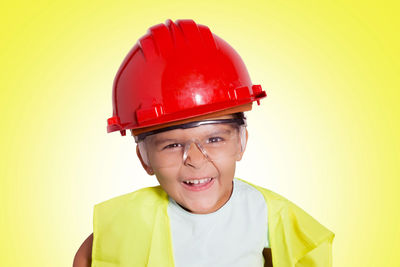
(240, 120)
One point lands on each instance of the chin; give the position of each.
(202, 208)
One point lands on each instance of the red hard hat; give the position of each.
(178, 70)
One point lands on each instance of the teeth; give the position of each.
(200, 181)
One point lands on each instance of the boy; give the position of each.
(183, 91)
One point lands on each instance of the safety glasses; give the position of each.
(200, 141)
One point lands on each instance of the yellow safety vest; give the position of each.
(133, 230)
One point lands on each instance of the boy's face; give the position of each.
(200, 180)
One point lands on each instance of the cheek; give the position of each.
(152, 160)
(226, 167)
(166, 176)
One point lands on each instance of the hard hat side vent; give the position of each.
(176, 35)
(162, 39)
(146, 114)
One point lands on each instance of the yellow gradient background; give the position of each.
(326, 137)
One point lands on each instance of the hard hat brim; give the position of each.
(241, 108)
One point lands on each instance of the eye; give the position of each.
(215, 139)
(171, 146)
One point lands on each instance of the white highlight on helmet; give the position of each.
(199, 99)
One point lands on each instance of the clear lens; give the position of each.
(179, 146)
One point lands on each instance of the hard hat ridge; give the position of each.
(162, 40)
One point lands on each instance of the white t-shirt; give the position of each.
(234, 235)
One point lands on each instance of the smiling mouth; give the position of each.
(198, 184)
(197, 181)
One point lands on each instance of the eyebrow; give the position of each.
(162, 141)
(220, 131)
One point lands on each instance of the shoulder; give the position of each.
(146, 192)
(268, 194)
(140, 199)
(248, 195)
(284, 214)
(279, 206)
(127, 223)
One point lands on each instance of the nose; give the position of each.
(194, 155)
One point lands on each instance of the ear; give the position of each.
(240, 155)
(146, 167)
